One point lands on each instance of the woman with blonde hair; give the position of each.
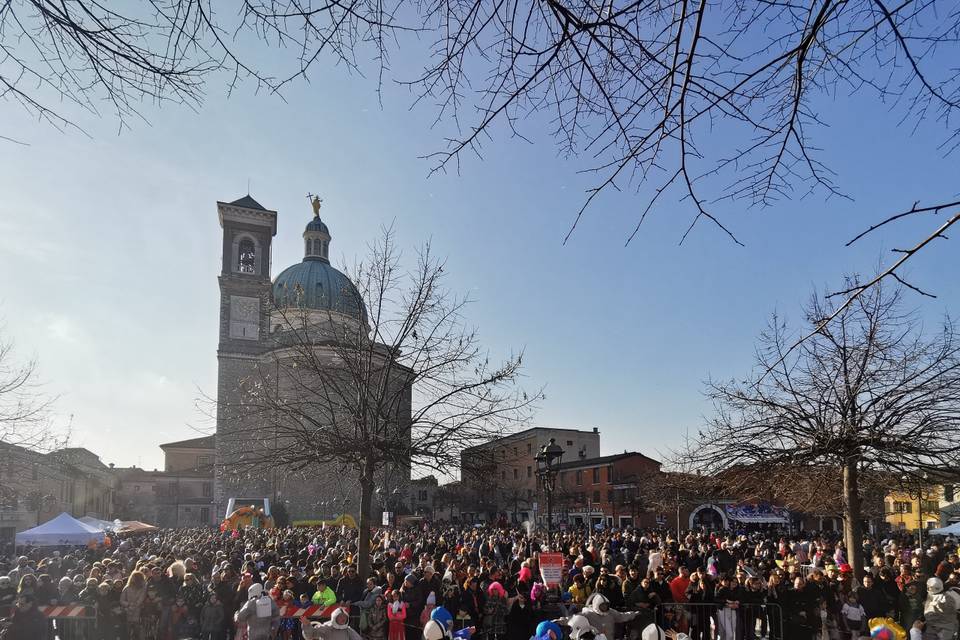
(131, 599)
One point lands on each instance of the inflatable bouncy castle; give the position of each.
(247, 517)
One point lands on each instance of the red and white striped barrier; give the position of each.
(69, 611)
(313, 611)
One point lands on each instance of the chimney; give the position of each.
(595, 430)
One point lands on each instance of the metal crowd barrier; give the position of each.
(66, 622)
(708, 620)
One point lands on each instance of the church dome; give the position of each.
(317, 225)
(314, 284)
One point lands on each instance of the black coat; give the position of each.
(27, 625)
(521, 622)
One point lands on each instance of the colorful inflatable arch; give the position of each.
(246, 518)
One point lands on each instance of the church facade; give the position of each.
(257, 340)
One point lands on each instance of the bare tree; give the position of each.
(636, 87)
(868, 394)
(24, 406)
(404, 383)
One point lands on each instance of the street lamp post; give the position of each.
(919, 496)
(548, 464)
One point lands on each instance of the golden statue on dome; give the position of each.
(315, 202)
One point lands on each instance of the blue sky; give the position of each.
(110, 246)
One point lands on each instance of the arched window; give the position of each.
(247, 256)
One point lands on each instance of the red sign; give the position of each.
(551, 569)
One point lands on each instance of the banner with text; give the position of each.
(551, 569)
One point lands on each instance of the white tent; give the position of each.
(953, 529)
(62, 530)
(102, 525)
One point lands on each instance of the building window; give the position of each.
(529, 448)
(516, 474)
(902, 507)
(610, 474)
(579, 478)
(931, 506)
(610, 496)
(514, 452)
(202, 461)
(596, 475)
(247, 256)
(136, 488)
(207, 489)
(596, 496)
(205, 514)
(569, 443)
(503, 475)
(529, 471)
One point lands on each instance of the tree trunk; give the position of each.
(852, 528)
(363, 544)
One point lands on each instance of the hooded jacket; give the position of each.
(331, 630)
(260, 613)
(603, 621)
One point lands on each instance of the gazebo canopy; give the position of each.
(64, 530)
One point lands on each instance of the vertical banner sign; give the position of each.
(551, 569)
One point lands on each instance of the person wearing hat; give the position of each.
(259, 614)
(940, 610)
(336, 628)
(324, 595)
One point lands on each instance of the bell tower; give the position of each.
(245, 302)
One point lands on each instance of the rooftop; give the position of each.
(204, 442)
(593, 462)
(532, 431)
(248, 203)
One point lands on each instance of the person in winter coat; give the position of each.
(727, 599)
(495, 611)
(873, 598)
(910, 604)
(211, 619)
(377, 619)
(601, 617)
(110, 618)
(259, 614)
(940, 610)
(397, 614)
(8, 592)
(370, 595)
(472, 601)
(192, 593)
(521, 619)
(131, 599)
(324, 595)
(26, 623)
(336, 628)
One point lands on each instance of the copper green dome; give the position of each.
(314, 284)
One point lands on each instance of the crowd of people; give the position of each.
(251, 584)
